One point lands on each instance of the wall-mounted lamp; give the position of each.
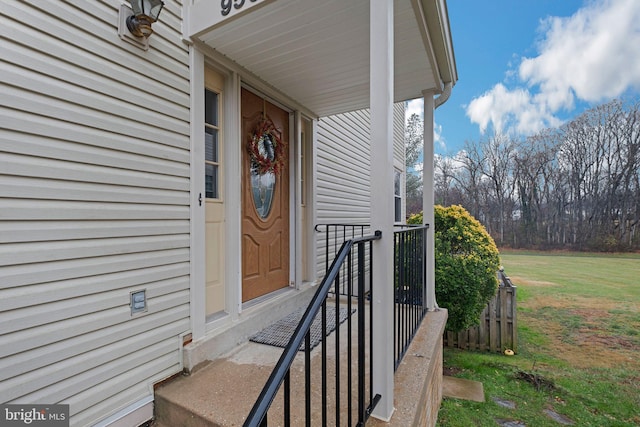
(145, 13)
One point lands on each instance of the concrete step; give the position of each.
(223, 392)
(219, 394)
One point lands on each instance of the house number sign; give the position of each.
(230, 6)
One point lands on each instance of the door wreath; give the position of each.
(266, 149)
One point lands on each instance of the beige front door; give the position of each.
(265, 202)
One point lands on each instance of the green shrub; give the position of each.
(467, 261)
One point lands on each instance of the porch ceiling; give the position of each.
(317, 52)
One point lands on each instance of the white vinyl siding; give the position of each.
(94, 204)
(343, 186)
(344, 163)
(343, 194)
(399, 154)
(398, 132)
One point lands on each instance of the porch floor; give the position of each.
(222, 392)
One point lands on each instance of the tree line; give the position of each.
(575, 187)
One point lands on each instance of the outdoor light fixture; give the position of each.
(145, 13)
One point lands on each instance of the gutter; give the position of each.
(444, 96)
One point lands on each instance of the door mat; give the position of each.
(278, 334)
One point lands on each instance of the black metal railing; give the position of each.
(410, 254)
(334, 235)
(410, 250)
(338, 383)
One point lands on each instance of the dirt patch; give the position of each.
(591, 315)
(632, 381)
(537, 381)
(607, 341)
(595, 356)
(586, 332)
(450, 371)
(588, 307)
(589, 344)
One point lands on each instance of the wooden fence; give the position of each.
(498, 328)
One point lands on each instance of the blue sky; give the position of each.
(525, 65)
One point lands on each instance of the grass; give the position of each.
(578, 328)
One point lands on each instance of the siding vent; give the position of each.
(138, 302)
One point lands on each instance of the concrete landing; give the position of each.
(221, 393)
(459, 388)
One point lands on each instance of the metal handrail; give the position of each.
(281, 371)
(410, 249)
(338, 225)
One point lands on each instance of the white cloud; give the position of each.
(416, 106)
(438, 139)
(510, 110)
(590, 56)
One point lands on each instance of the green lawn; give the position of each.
(579, 332)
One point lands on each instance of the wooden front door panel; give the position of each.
(265, 240)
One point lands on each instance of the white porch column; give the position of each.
(382, 213)
(427, 196)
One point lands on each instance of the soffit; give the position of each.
(317, 52)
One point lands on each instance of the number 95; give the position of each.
(237, 4)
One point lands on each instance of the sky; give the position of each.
(526, 65)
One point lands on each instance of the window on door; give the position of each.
(212, 144)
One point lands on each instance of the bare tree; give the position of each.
(414, 142)
(469, 178)
(445, 172)
(498, 154)
(533, 166)
(575, 186)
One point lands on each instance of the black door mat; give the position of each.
(279, 333)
